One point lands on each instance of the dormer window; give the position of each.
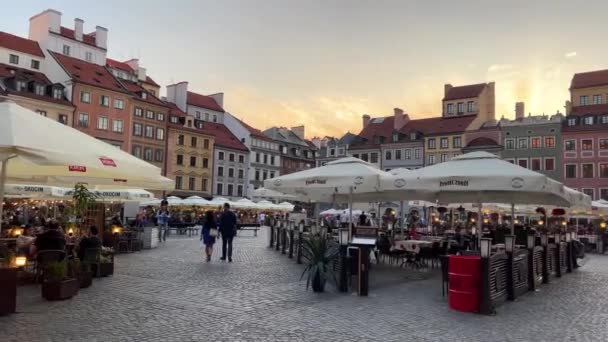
(413, 136)
(174, 119)
(144, 95)
(571, 122)
(57, 93)
(21, 85)
(376, 140)
(13, 59)
(39, 89)
(395, 137)
(588, 120)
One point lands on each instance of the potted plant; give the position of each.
(319, 255)
(106, 265)
(8, 282)
(58, 284)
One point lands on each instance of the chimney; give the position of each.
(299, 131)
(48, 20)
(101, 37)
(133, 63)
(446, 89)
(568, 107)
(519, 110)
(219, 98)
(400, 119)
(366, 120)
(78, 25)
(178, 94)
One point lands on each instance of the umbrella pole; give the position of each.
(350, 213)
(512, 219)
(402, 218)
(479, 226)
(2, 185)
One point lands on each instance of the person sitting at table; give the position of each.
(363, 219)
(51, 239)
(92, 241)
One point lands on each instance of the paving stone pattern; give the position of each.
(170, 294)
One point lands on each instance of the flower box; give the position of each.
(60, 290)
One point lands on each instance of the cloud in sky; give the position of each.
(571, 54)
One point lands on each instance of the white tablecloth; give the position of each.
(411, 245)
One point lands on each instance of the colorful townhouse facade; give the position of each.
(584, 138)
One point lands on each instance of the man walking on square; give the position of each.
(228, 231)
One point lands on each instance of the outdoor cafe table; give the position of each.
(412, 246)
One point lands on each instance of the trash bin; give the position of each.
(465, 283)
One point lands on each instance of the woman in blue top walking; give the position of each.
(208, 233)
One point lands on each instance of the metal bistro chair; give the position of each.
(92, 256)
(445, 276)
(45, 257)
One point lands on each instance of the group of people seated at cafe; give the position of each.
(53, 238)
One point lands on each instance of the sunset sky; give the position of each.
(325, 63)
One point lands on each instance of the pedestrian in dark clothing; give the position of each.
(228, 231)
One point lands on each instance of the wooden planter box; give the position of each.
(8, 291)
(61, 290)
(106, 269)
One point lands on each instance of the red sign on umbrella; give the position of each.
(107, 162)
(77, 168)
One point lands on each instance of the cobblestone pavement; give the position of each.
(170, 294)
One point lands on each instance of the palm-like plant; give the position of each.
(319, 255)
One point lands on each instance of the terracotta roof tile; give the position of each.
(482, 141)
(139, 90)
(254, 131)
(439, 125)
(381, 127)
(464, 92)
(223, 136)
(112, 63)
(20, 44)
(89, 73)
(203, 101)
(149, 80)
(88, 39)
(174, 109)
(589, 79)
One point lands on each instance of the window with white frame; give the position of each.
(397, 154)
(584, 100)
(523, 162)
(148, 154)
(587, 170)
(604, 119)
(603, 170)
(137, 129)
(66, 50)
(160, 134)
(535, 164)
(137, 151)
(460, 107)
(603, 143)
(604, 194)
(57, 93)
(535, 142)
(418, 153)
(470, 106)
(587, 145)
(588, 120)
(522, 143)
(39, 89)
(597, 99)
(117, 126)
(444, 157)
(431, 144)
(570, 171)
(83, 120)
(510, 144)
(35, 64)
(388, 155)
(431, 159)
(589, 192)
(570, 145)
(160, 116)
(102, 123)
(119, 104)
(149, 132)
(104, 100)
(550, 141)
(457, 142)
(149, 114)
(88, 56)
(13, 59)
(443, 142)
(407, 155)
(450, 108)
(571, 122)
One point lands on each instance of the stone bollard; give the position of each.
(271, 243)
(284, 240)
(290, 244)
(299, 248)
(278, 236)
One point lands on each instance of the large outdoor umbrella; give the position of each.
(38, 150)
(267, 193)
(196, 201)
(244, 203)
(481, 177)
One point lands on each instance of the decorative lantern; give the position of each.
(485, 221)
(516, 221)
(564, 223)
(485, 247)
(509, 243)
(603, 225)
(540, 222)
(115, 229)
(531, 241)
(20, 261)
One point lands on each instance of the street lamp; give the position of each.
(516, 221)
(485, 247)
(603, 225)
(485, 221)
(531, 241)
(509, 243)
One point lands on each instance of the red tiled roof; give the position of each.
(589, 79)
(591, 109)
(88, 73)
(439, 125)
(112, 63)
(8, 71)
(254, 131)
(381, 127)
(149, 80)
(138, 90)
(223, 136)
(86, 38)
(203, 101)
(464, 92)
(174, 109)
(482, 141)
(20, 44)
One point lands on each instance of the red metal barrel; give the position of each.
(465, 283)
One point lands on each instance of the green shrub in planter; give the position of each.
(58, 284)
(319, 255)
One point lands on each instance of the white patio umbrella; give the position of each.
(196, 201)
(267, 193)
(481, 177)
(265, 205)
(219, 201)
(244, 203)
(34, 191)
(286, 206)
(174, 200)
(331, 211)
(38, 150)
